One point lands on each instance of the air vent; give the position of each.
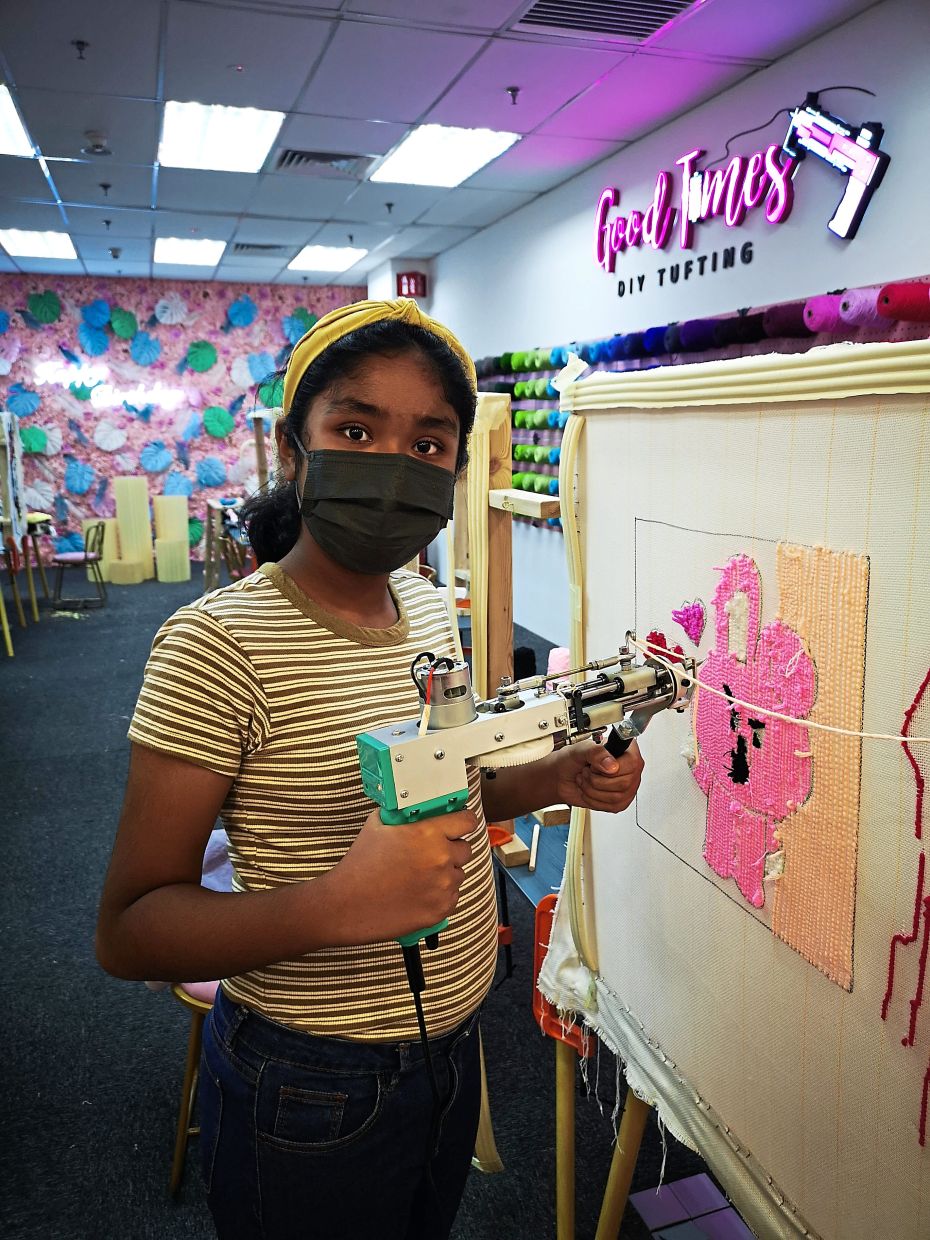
(629, 20)
(254, 247)
(324, 164)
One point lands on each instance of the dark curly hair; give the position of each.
(272, 516)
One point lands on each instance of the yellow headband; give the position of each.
(338, 323)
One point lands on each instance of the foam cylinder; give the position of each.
(741, 329)
(909, 302)
(173, 559)
(132, 515)
(654, 341)
(633, 345)
(127, 572)
(859, 307)
(786, 321)
(170, 516)
(110, 551)
(697, 335)
(822, 314)
(673, 338)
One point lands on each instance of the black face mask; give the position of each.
(372, 512)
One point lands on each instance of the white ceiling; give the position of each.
(353, 77)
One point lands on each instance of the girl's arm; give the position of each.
(581, 774)
(157, 922)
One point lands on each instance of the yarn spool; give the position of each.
(557, 356)
(786, 321)
(673, 338)
(504, 366)
(555, 455)
(633, 345)
(552, 392)
(519, 390)
(553, 418)
(519, 419)
(697, 335)
(822, 314)
(654, 341)
(553, 486)
(742, 329)
(907, 302)
(539, 419)
(859, 307)
(614, 348)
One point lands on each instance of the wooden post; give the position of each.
(500, 558)
(622, 1165)
(261, 457)
(565, 1059)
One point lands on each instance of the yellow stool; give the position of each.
(198, 998)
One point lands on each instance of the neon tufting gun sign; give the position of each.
(763, 181)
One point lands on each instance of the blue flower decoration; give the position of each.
(155, 457)
(94, 340)
(79, 478)
(22, 401)
(182, 453)
(4, 322)
(96, 313)
(261, 365)
(145, 349)
(211, 472)
(61, 508)
(69, 542)
(242, 312)
(177, 484)
(294, 326)
(193, 428)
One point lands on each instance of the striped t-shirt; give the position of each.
(257, 682)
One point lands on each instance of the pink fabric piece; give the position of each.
(749, 766)
(692, 617)
(559, 661)
(204, 991)
(75, 557)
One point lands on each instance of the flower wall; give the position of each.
(156, 377)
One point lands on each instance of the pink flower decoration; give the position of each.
(692, 617)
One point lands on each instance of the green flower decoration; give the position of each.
(80, 390)
(45, 306)
(217, 421)
(123, 323)
(34, 439)
(271, 394)
(194, 530)
(201, 355)
(305, 315)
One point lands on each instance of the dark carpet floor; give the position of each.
(93, 1065)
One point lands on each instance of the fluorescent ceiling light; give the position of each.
(326, 258)
(188, 251)
(216, 138)
(13, 137)
(21, 244)
(442, 155)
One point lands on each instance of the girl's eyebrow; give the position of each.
(427, 421)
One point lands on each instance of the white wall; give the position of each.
(532, 279)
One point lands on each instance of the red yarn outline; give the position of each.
(905, 939)
(918, 774)
(921, 974)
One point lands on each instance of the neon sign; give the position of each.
(763, 181)
(103, 395)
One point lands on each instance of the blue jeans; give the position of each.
(311, 1138)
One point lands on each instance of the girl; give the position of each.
(317, 1100)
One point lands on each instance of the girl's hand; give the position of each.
(586, 775)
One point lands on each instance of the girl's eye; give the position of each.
(427, 447)
(357, 434)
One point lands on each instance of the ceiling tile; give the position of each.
(97, 249)
(368, 204)
(540, 163)
(247, 275)
(23, 178)
(643, 92)
(295, 195)
(368, 236)
(260, 262)
(37, 36)
(80, 183)
(303, 277)
(91, 221)
(178, 271)
(110, 268)
(736, 29)
(475, 207)
(428, 242)
(333, 133)
(203, 46)
(188, 188)
(547, 76)
(274, 232)
(194, 224)
(52, 266)
(59, 121)
(42, 216)
(7, 264)
(475, 15)
(386, 72)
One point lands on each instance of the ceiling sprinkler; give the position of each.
(513, 92)
(115, 251)
(96, 143)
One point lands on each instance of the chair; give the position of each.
(88, 559)
(198, 998)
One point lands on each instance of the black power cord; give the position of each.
(413, 964)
